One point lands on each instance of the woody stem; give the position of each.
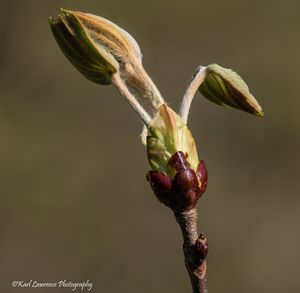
(188, 223)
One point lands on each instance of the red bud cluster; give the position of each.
(181, 192)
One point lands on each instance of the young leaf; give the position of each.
(168, 134)
(225, 87)
(94, 45)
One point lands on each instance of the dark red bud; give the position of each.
(202, 174)
(178, 162)
(185, 180)
(161, 185)
(186, 187)
(161, 180)
(202, 246)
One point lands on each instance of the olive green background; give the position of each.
(74, 201)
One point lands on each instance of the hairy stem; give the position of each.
(136, 76)
(195, 267)
(121, 86)
(188, 97)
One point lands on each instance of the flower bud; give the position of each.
(94, 45)
(225, 87)
(181, 192)
(177, 178)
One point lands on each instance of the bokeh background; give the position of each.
(74, 201)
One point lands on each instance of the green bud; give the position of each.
(225, 87)
(94, 45)
(168, 134)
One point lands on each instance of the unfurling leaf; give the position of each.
(225, 87)
(95, 46)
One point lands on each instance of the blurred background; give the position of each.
(74, 201)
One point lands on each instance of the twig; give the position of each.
(196, 267)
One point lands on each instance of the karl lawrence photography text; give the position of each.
(87, 285)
